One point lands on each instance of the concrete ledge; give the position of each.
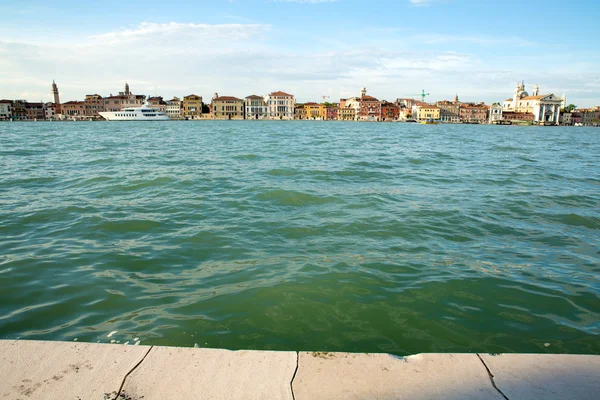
(548, 376)
(82, 371)
(183, 373)
(59, 370)
(334, 376)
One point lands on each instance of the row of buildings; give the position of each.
(522, 108)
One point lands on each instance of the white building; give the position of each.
(495, 113)
(173, 108)
(50, 109)
(545, 108)
(5, 109)
(256, 107)
(280, 105)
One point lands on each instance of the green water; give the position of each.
(321, 236)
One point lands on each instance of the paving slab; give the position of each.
(31, 370)
(545, 376)
(332, 376)
(191, 373)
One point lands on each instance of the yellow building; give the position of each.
(315, 111)
(299, 111)
(227, 107)
(192, 107)
(426, 112)
(347, 114)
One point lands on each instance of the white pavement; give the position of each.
(81, 371)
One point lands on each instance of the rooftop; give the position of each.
(281, 94)
(226, 98)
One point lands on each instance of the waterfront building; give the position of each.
(73, 109)
(389, 111)
(192, 107)
(227, 107)
(577, 119)
(472, 113)
(315, 111)
(349, 108)
(125, 99)
(256, 107)
(158, 103)
(19, 113)
(94, 104)
(545, 108)
(333, 111)
(299, 111)
(280, 105)
(173, 108)
(422, 112)
(5, 110)
(449, 110)
(590, 116)
(50, 111)
(35, 111)
(370, 107)
(347, 113)
(495, 113)
(566, 118)
(517, 117)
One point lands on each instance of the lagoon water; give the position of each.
(322, 236)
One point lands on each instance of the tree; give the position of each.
(570, 108)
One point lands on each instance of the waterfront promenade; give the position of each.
(86, 371)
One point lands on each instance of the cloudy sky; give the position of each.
(312, 48)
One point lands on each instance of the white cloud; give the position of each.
(241, 59)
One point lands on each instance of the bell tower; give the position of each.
(127, 93)
(536, 90)
(55, 93)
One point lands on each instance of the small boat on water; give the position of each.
(143, 113)
(429, 122)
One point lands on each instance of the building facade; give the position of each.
(545, 108)
(280, 105)
(389, 111)
(424, 112)
(73, 109)
(370, 107)
(471, 113)
(19, 113)
(173, 108)
(227, 107)
(50, 111)
(517, 117)
(192, 107)
(35, 111)
(125, 99)
(94, 104)
(158, 103)
(333, 111)
(256, 107)
(5, 110)
(315, 111)
(495, 113)
(449, 110)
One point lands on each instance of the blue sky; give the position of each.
(478, 49)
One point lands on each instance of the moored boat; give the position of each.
(143, 113)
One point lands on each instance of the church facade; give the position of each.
(545, 108)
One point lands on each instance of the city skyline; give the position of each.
(312, 48)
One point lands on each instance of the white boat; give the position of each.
(143, 113)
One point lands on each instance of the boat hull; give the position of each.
(115, 116)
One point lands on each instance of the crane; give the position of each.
(324, 98)
(422, 94)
